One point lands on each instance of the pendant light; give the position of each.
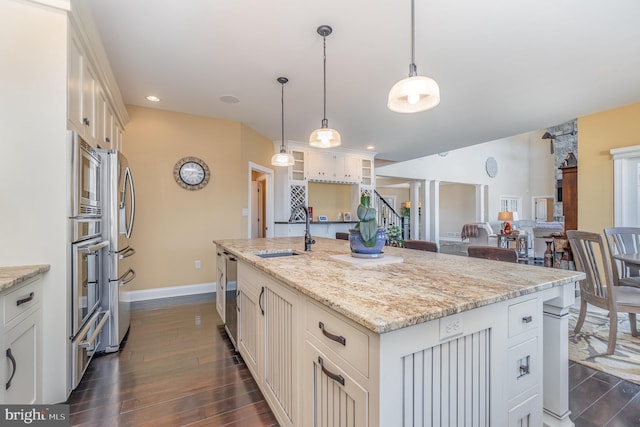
(325, 137)
(282, 158)
(415, 93)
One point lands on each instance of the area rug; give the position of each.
(589, 346)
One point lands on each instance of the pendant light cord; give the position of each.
(324, 61)
(412, 67)
(282, 101)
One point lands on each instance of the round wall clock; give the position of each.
(491, 166)
(191, 173)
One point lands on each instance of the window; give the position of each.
(511, 204)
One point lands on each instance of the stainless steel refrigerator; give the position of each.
(118, 219)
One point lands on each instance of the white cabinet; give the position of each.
(298, 172)
(334, 167)
(269, 341)
(322, 166)
(249, 323)
(336, 370)
(220, 284)
(332, 397)
(74, 86)
(82, 91)
(89, 111)
(366, 172)
(22, 351)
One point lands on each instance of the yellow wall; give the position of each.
(331, 200)
(597, 134)
(174, 227)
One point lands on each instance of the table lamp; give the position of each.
(506, 217)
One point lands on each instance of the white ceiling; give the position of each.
(504, 66)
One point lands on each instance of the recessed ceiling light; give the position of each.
(229, 99)
(153, 98)
(370, 147)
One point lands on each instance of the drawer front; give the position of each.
(523, 317)
(21, 300)
(523, 367)
(345, 340)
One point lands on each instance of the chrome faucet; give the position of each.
(308, 241)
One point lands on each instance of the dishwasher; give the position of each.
(231, 303)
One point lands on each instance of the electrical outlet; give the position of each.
(197, 264)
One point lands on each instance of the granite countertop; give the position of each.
(318, 222)
(382, 298)
(11, 276)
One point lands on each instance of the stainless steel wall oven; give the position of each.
(88, 254)
(86, 167)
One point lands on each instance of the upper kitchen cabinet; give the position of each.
(332, 166)
(94, 107)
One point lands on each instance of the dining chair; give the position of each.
(493, 253)
(598, 288)
(341, 235)
(421, 245)
(623, 240)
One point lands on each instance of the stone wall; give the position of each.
(565, 143)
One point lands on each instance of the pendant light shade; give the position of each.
(415, 93)
(325, 137)
(282, 158)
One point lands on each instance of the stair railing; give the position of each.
(387, 216)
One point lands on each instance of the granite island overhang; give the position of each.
(493, 334)
(385, 297)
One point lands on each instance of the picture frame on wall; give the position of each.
(346, 216)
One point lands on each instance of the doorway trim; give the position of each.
(268, 198)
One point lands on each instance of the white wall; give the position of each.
(33, 165)
(525, 168)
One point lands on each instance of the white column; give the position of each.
(480, 203)
(425, 229)
(414, 197)
(434, 190)
(555, 395)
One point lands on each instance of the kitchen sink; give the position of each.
(276, 254)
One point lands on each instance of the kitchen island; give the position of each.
(434, 339)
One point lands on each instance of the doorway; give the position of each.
(542, 208)
(258, 195)
(259, 212)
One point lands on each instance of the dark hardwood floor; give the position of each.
(178, 368)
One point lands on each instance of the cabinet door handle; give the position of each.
(24, 300)
(527, 319)
(335, 377)
(85, 121)
(337, 338)
(260, 300)
(107, 140)
(13, 362)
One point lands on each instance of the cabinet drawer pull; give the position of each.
(260, 300)
(13, 363)
(25, 299)
(337, 338)
(527, 319)
(335, 377)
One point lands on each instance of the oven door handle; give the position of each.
(128, 276)
(89, 341)
(80, 338)
(92, 249)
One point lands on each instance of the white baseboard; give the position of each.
(172, 291)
